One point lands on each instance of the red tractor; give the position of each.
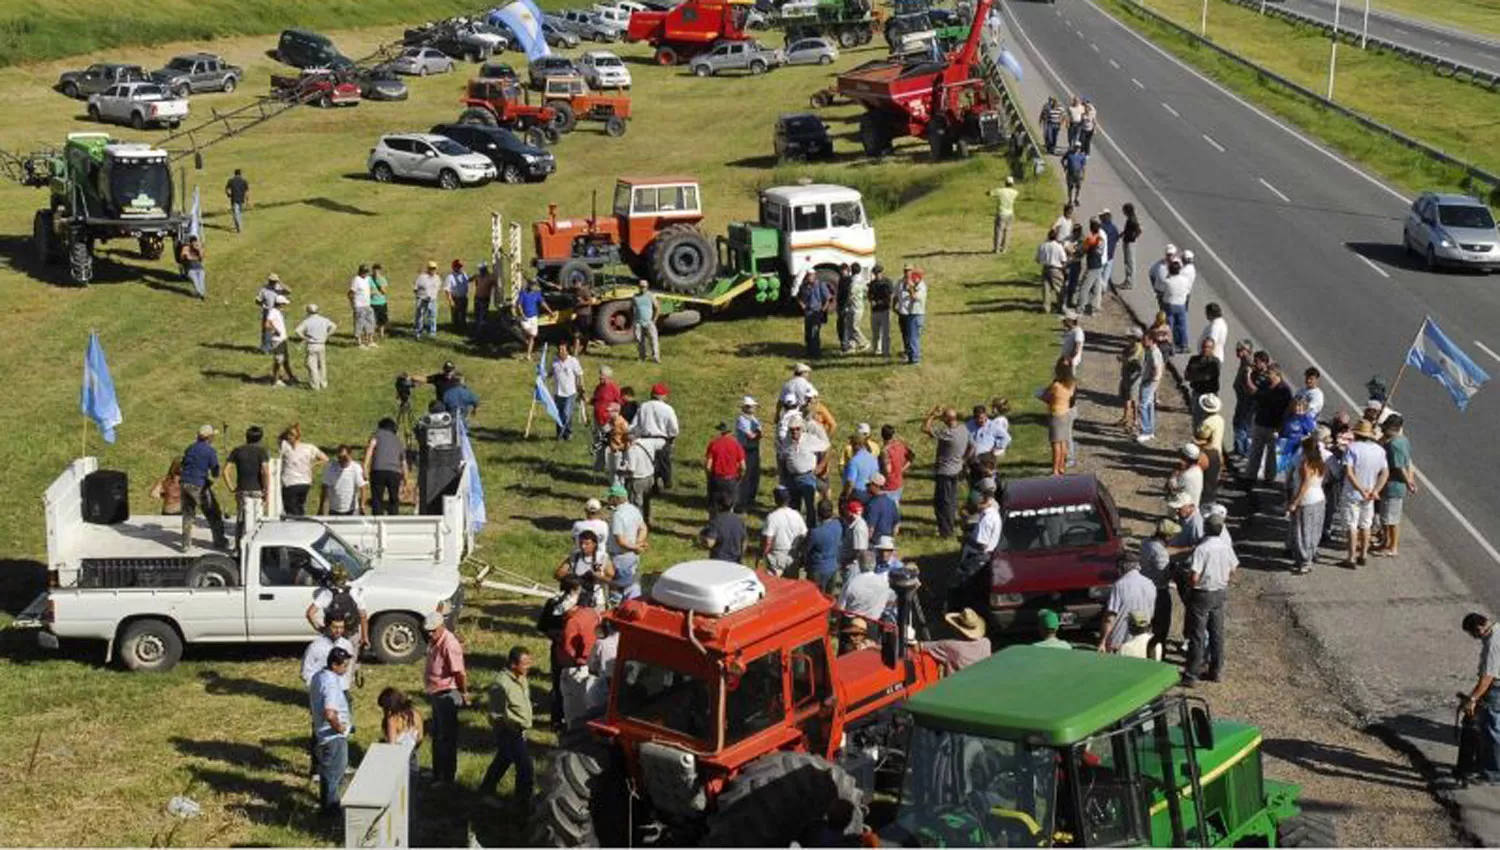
(654, 230)
(948, 101)
(689, 28)
(502, 102)
(731, 720)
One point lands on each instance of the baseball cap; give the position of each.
(448, 366)
(432, 621)
(723, 427)
(1190, 451)
(593, 506)
(863, 429)
(801, 369)
(1179, 500)
(206, 431)
(273, 277)
(1171, 250)
(312, 309)
(877, 479)
(789, 399)
(1188, 254)
(856, 507)
(617, 491)
(606, 371)
(1049, 619)
(1217, 510)
(885, 543)
(659, 389)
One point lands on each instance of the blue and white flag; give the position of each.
(1435, 355)
(524, 20)
(543, 395)
(1009, 63)
(472, 485)
(97, 400)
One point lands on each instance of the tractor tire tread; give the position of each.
(779, 797)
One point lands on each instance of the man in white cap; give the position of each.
(265, 299)
(1157, 274)
(275, 326)
(1366, 471)
(860, 465)
(1187, 475)
(1005, 213)
(593, 520)
(797, 386)
(747, 431)
(314, 332)
(971, 647)
(1132, 593)
(200, 468)
(1072, 341)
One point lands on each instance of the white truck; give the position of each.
(131, 585)
(139, 105)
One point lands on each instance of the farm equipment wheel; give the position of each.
(665, 56)
(397, 638)
(939, 139)
(872, 136)
(511, 173)
(820, 100)
(70, 89)
(566, 119)
(382, 173)
(477, 115)
(80, 258)
(150, 646)
(448, 179)
(783, 798)
(757, 67)
(848, 39)
(615, 126)
(680, 320)
(326, 101)
(1306, 830)
(614, 323)
(551, 135)
(138, 120)
(42, 238)
(866, 35)
(151, 245)
(683, 260)
(583, 799)
(214, 571)
(535, 137)
(575, 274)
(825, 59)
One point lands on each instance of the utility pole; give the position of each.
(1333, 48)
(1364, 36)
(1203, 21)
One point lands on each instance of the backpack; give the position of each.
(342, 606)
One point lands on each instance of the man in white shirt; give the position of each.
(315, 657)
(1053, 258)
(1217, 330)
(868, 594)
(1175, 290)
(275, 328)
(426, 288)
(1311, 392)
(1063, 226)
(1157, 274)
(343, 486)
(364, 312)
(655, 427)
(314, 332)
(797, 388)
(567, 374)
(1366, 471)
(456, 293)
(593, 520)
(1072, 341)
(985, 537)
(782, 536)
(1213, 565)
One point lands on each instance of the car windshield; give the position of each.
(181, 63)
(607, 62)
(448, 147)
(1466, 215)
(965, 790)
(1057, 527)
(331, 548)
(141, 186)
(666, 698)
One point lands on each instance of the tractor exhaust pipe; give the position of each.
(893, 650)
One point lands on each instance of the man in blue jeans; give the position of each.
(1152, 366)
(330, 721)
(1175, 289)
(816, 299)
(1483, 702)
(914, 288)
(511, 718)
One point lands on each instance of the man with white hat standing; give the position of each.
(747, 431)
(1157, 274)
(265, 299)
(314, 332)
(276, 335)
(1132, 593)
(797, 386)
(1366, 471)
(1187, 475)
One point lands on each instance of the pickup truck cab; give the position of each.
(132, 586)
(1059, 549)
(138, 104)
(98, 77)
(198, 72)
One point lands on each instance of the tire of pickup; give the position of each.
(214, 571)
(397, 638)
(150, 646)
(229, 83)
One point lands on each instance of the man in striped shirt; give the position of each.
(1051, 121)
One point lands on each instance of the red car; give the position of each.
(321, 87)
(1059, 547)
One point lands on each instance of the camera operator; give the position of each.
(440, 382)
(592, 566)
(385, 468)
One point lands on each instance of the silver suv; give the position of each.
(430, 158)
(745, 55)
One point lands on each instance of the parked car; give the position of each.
(586, 26)
(1452, 230)
(430, 158)
(198, 72)
(138, 104)
(550, 66)
(306, 49)
(615, 17)
(628, 6)
(556, 36)
(498, 71)
(811, 51)
(380, 83)
(421, 61)
(517, 161)
(98, 77)
(802, 135)
(458, 39)
(318, 86)
(604, 70)
(744, 55)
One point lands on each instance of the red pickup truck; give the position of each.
(1059, 548)
(317, 86)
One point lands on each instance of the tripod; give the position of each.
(405, 421)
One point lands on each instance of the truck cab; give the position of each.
(822, 227)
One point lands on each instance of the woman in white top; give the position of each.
(1305, 505)
(297, 462)
(590, 563)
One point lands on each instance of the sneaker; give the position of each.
(280, 384)
(1145, 438)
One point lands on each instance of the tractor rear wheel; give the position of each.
(477, 115)
(614, 126)
(872, 136)
(575, 274)
(683, 260)
(535, 137)
(848, 39)
(614, 323)
(565, 120)
(939, 139)
(582, 801)
(1305, 830)
(42, 238)
(783, 798)
(820, 100)
(665, 56)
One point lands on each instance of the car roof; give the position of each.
(1455, 200)
(1052, 696)
(1051, 491)
(793, 116)
(420, 137)
(198, 55)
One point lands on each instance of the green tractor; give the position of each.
(102, 189)
(1040, 747)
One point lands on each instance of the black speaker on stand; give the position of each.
(106, 497)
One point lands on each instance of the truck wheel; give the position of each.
(866, 36)
(565, 120)
(848, 39)
(397, 638)
(820, 100)
(703, 70)
(783, 798)
(94, 113)
(872, 136)
(70, 89)
(683, 260)
(665, 56)
(137, 120)
(229, 84)
(575, 274)
(1305, 830)
(614, 323)
(757, 67)
(150, 646)
(476, 115)
(80, 259)
(614, 127)
(214, 571)
(42, 237)
(583, 799)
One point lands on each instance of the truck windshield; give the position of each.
(181, 63)
(671, 699)
(338, 553)
(1059, 527)
(966, 790)
(141, 186)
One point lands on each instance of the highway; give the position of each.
(1432, 38)
(1303, 248)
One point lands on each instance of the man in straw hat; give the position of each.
(1365, 474)
(854, 635)
(971, 647)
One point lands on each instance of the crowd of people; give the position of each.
(854, 291)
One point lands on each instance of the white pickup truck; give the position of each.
(139, 105)
(131, 585)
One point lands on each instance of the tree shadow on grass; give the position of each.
(216, 684)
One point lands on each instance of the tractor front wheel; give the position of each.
(683, 260)
(615, 126)
(80, 259)
(575, 274)
(783, 798)
(42, 238)
(152, 245)
(583, 799)
(848, 39)
(614, 323)
(477, 115)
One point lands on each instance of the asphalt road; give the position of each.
(1306, 251)
(1421, 35)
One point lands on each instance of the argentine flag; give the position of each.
(1435, 355)
(524, 19)
(97, 399)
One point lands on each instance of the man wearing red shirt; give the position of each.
(580, 631)
(606, 402)
(895, 457)
(724, 464)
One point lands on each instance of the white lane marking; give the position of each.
(1432, 489)
(1137, 83)
(1168, 107)
(1371, 263)
(1078, 33)
(1373, 181)
(1210, 139)
(1114, 64)
(1440, 41)
(1486, 349)
(1275, 191)
(1094, 46)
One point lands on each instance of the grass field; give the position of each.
(91, 755)
(1475, 16)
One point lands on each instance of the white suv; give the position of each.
(429, 158)
(604, 70)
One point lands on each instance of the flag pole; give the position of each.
(531, 414)
(1402, 371)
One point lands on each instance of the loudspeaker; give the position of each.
(106, 497)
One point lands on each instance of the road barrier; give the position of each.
(1024, 146)
(1476, 180)
(1442, 66)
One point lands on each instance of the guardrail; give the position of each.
(1024, 146)
(1476, 180)
(1442, 66)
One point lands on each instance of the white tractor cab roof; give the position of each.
(134, 150)
(714, 588)
(813, 193)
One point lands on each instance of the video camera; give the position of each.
(404, 385)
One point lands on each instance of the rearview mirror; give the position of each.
(1203, 727)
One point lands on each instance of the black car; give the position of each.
(517, 161)
(551, 66)
(498, 71)
(802, 135)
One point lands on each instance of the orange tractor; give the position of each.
(573, 101)
(653, 230)
(731, 720)
(502, 103)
